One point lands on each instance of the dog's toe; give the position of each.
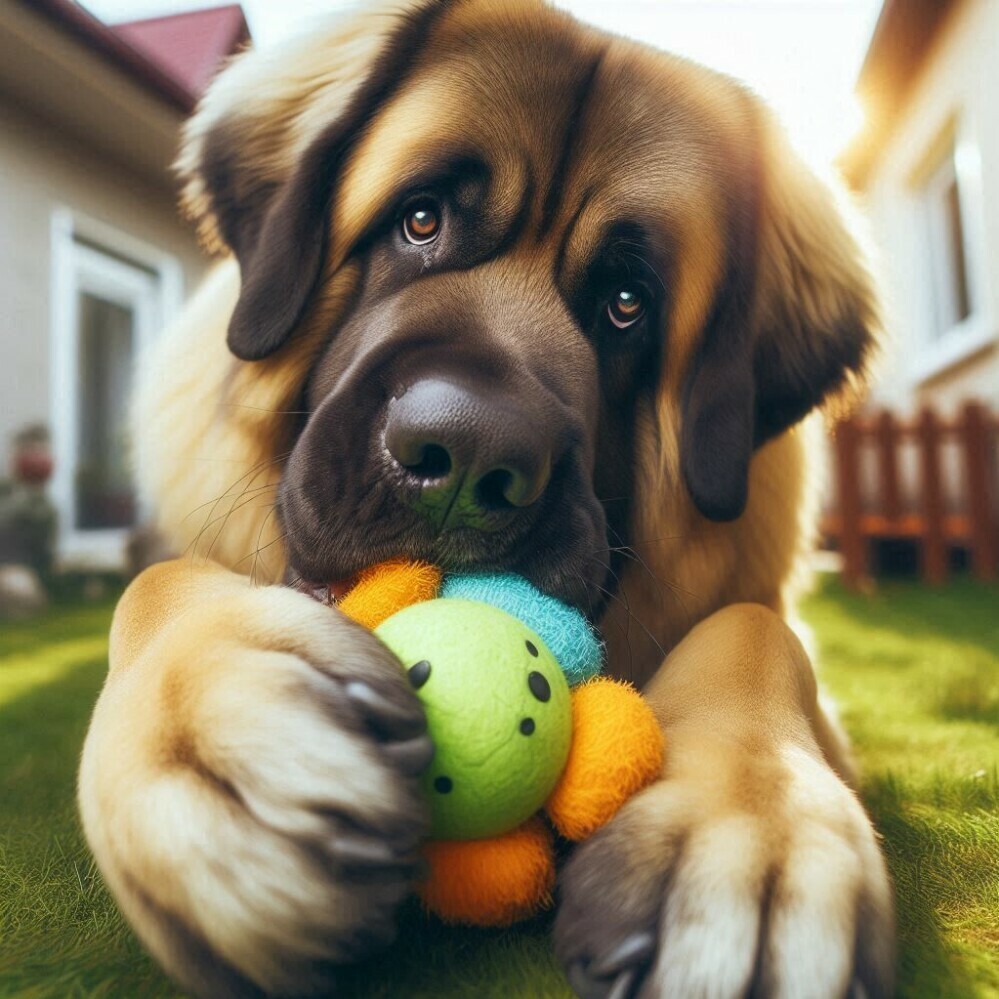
(617, 973)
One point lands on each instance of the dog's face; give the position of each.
(525, 262)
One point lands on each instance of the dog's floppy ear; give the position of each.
(261, 156)
(794, 322)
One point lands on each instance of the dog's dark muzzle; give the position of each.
(457, 443)
(471, 455)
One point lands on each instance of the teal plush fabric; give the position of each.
(562, 628)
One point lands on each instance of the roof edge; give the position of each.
(73, 19)
(901, 43)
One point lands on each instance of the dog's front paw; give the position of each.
(762, 878)
(250, 789)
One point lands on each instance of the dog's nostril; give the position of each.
(492, 489)
(434, 462)
(514, 486)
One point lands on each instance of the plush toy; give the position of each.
(522, 723)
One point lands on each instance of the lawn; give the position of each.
(916, 673)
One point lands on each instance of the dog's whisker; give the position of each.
(257, 552)
(264, 409)
(209, 518)
(618, 625)
(195, 543)
(663, 537)
(235, 508)
(252, 489)
(623, 600)
(647, 267)
(250, 476)
(674, 588)
(260, 532)
(238, 504)
(626, 631)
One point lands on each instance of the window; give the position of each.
(948, 221)
(108, 305)
(103, 495)
(945, 242)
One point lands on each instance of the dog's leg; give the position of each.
(249, 782)
(751, 867)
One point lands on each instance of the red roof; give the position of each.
(191, 46)
(171, 57)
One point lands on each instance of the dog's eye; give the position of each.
(626, 307)
(422, 222)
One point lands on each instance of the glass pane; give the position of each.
(945, 246)
(104, 497)
(939, 275)
(955, 232)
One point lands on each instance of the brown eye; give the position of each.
(422, 223)
(626, 307)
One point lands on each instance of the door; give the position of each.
(109, 312)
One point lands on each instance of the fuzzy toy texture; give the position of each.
(500, 748)
(382, 590)
(491, 660)
(617, 749)
(491, 882)
(564, 630)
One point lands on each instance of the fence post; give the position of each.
(934, 544)
(851, 540)
(887, 452)
(975, 441)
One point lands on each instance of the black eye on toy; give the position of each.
(419, 673)
(540, 687)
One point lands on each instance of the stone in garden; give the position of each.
(21, 592)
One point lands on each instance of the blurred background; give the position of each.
(897, 97)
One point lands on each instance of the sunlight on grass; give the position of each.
(916, 675)
(21, 673)
(915, 671)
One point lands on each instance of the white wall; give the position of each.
(40, 171)
(961, 81)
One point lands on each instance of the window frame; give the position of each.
(936, 352)
(92, 257)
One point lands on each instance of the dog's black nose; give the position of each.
(469, 454)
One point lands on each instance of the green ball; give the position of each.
(498, 710)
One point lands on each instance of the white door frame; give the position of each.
(151, 289)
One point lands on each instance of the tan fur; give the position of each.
(279, 99)
(231, 749)
(217, 755)
(748, 809)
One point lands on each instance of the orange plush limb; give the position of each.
(388, 587)
(617, 749)
(491, 882)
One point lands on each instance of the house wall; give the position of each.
(42, 170)
(959, 83)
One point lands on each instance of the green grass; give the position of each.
(916, 673)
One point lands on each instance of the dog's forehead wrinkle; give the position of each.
(572, 131)
(541, 133)
(468, 85)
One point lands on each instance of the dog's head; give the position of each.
(519, 257)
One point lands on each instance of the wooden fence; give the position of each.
(875, 500)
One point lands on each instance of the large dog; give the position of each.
(503, 292)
